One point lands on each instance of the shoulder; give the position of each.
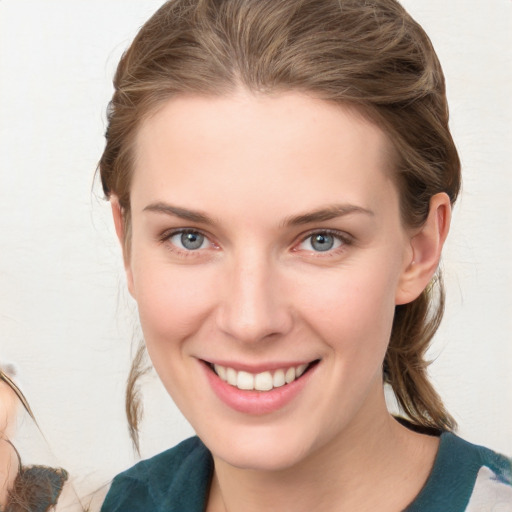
(466, 478)
(493, 481)
(174, 480)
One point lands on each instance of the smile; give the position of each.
(265, 390)
(263, 381)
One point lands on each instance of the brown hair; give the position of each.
(367, 53)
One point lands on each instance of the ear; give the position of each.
(118, 215)
(426, 245)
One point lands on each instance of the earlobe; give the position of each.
(426, 244)
(117, 214)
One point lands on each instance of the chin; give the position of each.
(263, 449)
(260, 459)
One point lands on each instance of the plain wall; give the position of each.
(65, 316)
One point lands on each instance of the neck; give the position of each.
(374, 464)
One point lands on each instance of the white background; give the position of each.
(65, 316)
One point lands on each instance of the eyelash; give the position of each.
(165, 238)
(344, 239)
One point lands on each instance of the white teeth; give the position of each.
(245, 381)
(264, 381)
(290, 375)
(231, 376)
(221, 372)
(279, 379)
(300, 370)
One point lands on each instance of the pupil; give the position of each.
(192, 240)
(322, 242)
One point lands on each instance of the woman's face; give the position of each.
(266, 242)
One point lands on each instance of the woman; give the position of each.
(281, 177)
(25, 487)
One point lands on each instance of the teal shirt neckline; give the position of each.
(178, 479)
(452, 479)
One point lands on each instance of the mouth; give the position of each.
(263, 381)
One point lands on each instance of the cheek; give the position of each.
(172, 300)
(353, 308)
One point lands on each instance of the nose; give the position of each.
(254, 305)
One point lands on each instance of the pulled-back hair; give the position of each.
(369, 54)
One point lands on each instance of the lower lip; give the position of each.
(256, 402)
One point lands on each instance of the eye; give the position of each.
(322, 241)
(189, 240)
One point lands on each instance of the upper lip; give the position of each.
(260, 367)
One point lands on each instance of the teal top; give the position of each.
(465, 478)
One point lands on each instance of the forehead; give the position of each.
(289, 147)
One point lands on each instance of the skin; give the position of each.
(257, 292)
(8, 458)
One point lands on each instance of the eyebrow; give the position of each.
(182, 213)
(320, 215)
(328, 213)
